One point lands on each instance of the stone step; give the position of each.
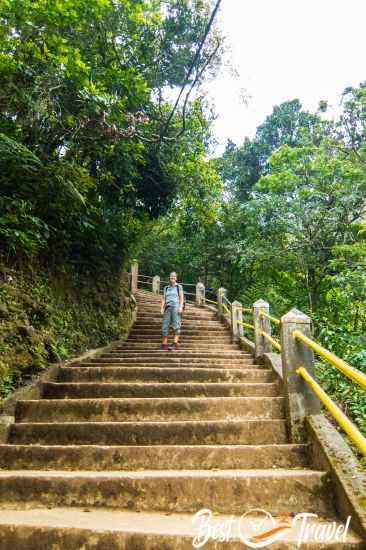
(169, 361)
(153, 349)
(154, 307)
(154, 409)
(183, 346)
(146, 301)
(185, 331)
(164, 374)
(192, 324)
(172, 360)
(189, 323)
(179, 354)
(154, 457)
(186, 328)
(220, 331)
(188, 432)
(153, 313)
(181, 363)
(79, 390)
(195, 341)
(166, 355)
(145, 304)
(195, 320)
(199, 355)
(75, 528)
(227, 491)
(186, 338)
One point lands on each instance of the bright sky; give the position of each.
(286, 49)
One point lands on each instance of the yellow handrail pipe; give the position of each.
(268, 316)
(246, 325)
(341, 365)
(354, 434)
(274, 342)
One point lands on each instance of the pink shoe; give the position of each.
(164, 346)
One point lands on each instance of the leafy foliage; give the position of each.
(92, 154)
(88, 144)
(291, 229)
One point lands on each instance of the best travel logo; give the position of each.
(257, 528)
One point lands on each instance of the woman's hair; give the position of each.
(173, 273)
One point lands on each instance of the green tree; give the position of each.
(82, 93)
(241, 167)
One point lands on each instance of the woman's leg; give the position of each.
(165, 326)
(176, 322)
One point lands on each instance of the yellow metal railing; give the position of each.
(247, 310)
(210, 301)
(275, 343)
(354, 434)
(225, 308)
(246, 325)
(268, 316)
(351, 372)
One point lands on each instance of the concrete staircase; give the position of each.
(123, 449)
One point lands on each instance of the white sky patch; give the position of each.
(282, 50)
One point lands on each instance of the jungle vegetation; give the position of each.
(106, 154)
(93, 151)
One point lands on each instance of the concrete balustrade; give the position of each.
(200, 294)
(261, 324)
(236, 320)
(134, 275)
(300, 400)
(156, 284)
(221, 295)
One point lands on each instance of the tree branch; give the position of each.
(191, 69)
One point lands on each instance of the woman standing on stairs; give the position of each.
(172, 309)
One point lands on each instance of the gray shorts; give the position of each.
(171, 317)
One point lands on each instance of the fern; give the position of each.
(16, 159)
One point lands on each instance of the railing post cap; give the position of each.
(295, 316)
(261, 304)
(200, 285)
(222, 289)
(236, 303)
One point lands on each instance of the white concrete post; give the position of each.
(134, 275)
(156, 284)
(299, 398)
(221, 293)
(262, 345)
(200, 294)
(236, 320)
